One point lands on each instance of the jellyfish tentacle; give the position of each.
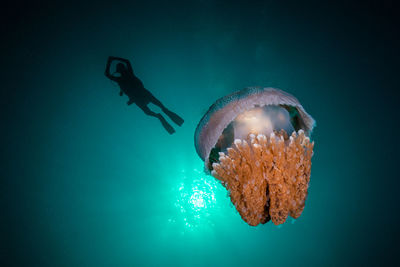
(278, 188)
(267, 178)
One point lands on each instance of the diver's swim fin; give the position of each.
(166, 125)
(173, 116)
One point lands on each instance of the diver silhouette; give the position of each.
(133, 87)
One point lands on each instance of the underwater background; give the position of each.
(88, 181)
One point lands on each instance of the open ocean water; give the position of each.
(88, 181)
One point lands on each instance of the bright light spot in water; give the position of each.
(195, 199)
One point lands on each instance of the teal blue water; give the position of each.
(90, 181)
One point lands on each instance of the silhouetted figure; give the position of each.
(134, 89)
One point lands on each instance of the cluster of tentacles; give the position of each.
(267, 177)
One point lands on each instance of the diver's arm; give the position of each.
(126, 61)
(107, 71)
(120, 59)
(129, 67)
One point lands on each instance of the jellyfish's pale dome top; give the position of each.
(261, 120)
(253, 109)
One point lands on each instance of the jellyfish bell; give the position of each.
(256, 142)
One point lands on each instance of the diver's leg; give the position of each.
(164, 123)
(173, 116)
(156, 102)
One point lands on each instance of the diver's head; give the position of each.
(121, 68)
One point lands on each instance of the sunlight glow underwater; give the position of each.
(196, 199)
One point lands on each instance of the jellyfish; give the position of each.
(257, 143)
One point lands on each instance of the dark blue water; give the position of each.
(89, 181)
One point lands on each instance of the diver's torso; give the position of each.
(133, 87)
